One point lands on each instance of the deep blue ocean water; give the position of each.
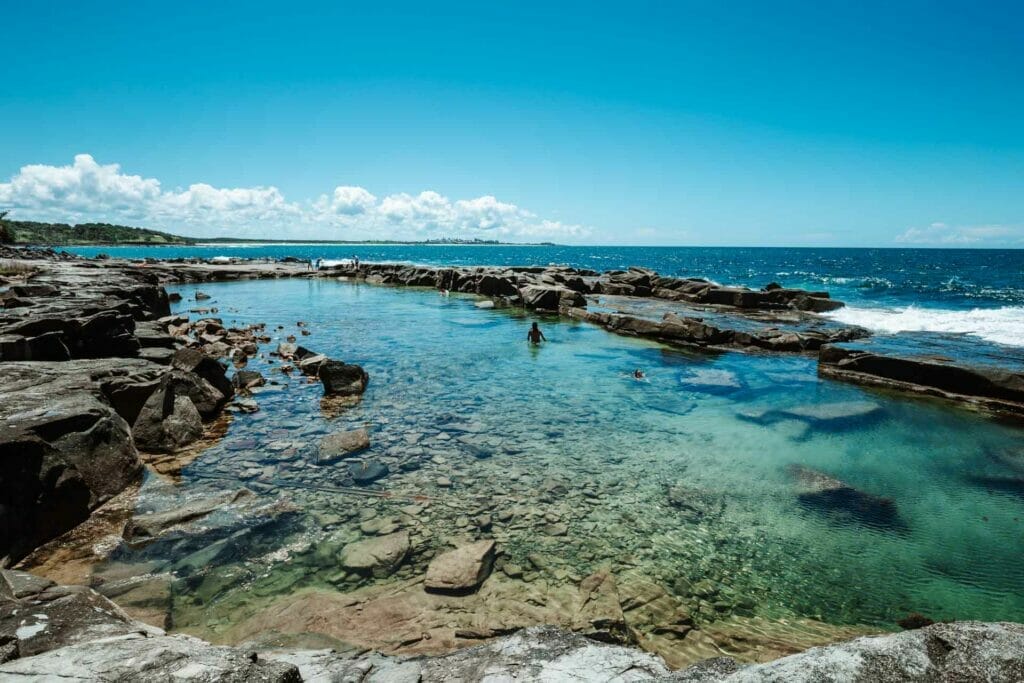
(959, 291)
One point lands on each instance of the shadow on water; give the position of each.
(848, 506)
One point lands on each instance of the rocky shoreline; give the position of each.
(99, 380)
(49, 631)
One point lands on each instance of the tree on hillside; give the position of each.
(6, 236)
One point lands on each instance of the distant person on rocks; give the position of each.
(355, 262)
(309, 265)
(535, 336)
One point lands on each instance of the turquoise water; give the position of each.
(671, 476)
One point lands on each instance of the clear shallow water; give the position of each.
(668, 477)
(959, 291)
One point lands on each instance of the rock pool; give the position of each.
(742, 485)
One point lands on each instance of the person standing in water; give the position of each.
(535, 336)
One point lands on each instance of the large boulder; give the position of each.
(378, 557)
(198, 363)
(461, 570)
(551, 298)
(342, 379)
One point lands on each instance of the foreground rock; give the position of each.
(72, 633)
(461, 570)
(984, 387)
(64, 447)
(964, 652)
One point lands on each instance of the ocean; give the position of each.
(976, 292)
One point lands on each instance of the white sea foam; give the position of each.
(1003, 325)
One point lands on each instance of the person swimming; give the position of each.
(639, 374)
(535, 336)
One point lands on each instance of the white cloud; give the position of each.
(89, 191)
(941, 234)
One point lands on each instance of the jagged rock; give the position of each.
(379, 556)
(195, 362)
(64, 449)
(461, 570)
(334, 447)
(599, 615)
(146, 657)
(342, 379)
(167, 421)
(42, 616)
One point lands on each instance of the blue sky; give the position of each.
(732, 123)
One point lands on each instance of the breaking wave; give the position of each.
(1003, 325)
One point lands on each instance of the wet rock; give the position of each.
(247, 379)
(378, 557)
(334, 447)
(342, 379)
(461, 570)
(368, 471)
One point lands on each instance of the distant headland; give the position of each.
(104, 234)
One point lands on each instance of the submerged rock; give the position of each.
(334, 447)
(378, 557)
(461, 570)
(828, 495)
(368, 471)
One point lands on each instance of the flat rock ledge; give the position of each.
(53, 632)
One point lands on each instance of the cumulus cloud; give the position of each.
(89, 191)
(941, 234)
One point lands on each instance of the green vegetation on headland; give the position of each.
(62, 235)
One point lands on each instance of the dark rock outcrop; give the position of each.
(985, 387)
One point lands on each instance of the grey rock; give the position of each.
(965, 652)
